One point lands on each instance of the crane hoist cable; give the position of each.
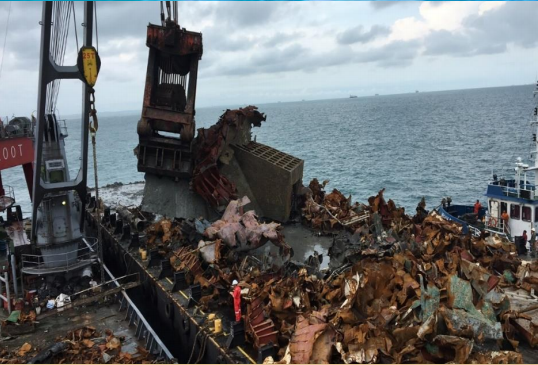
(5, 39)
(75, 22)
(60, 31)
(96, 26)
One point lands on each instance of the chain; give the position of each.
(94, 126)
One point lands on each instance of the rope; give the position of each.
(193, 346)
(202, 349)
(5, 39)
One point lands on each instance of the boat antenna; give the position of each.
(5, 39)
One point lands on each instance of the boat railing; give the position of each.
(509, 191)
(496, 224)
(64, 261)
(7, 197)
(63, 127)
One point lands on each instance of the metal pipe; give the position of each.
(8, 296)
(14, 273)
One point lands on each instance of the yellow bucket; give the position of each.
(218, 325)
(143, 254)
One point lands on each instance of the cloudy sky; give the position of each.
(258, 52)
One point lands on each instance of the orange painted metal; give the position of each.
(15, 152)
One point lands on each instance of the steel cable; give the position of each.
(60, 33)
(5, 39)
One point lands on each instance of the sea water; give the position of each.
(415, 145)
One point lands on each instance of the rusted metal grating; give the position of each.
(276, 157)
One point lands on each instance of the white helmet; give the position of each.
(234, 282)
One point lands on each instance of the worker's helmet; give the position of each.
(533, 229)
(234, 282)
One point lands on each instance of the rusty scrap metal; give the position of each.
(398, 289)
(430, 300)
(261, 329)
(163, 232)
(233, 127)
(81, 346)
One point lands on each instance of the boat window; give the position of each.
(526, 214)
(536, 214)
(515, 211)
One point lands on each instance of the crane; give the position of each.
(169, 98)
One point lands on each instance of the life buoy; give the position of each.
(492, 222)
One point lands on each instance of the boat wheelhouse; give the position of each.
(517, 196)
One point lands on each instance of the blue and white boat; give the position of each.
(515, 195)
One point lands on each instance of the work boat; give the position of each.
(517, 196)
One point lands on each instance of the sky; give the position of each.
(262, 52)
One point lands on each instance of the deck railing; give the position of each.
(496, 224)
(62, 261)
(513, 192)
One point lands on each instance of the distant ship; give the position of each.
(352, 96)
(416, 91)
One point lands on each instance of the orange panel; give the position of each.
(15, 152)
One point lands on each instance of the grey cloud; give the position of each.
(298, 58)
(380, 4)
(461, 45)
(358, 35)
(213, 39)
(280, 38)
(247, 14)
(444, 42)
(490, 33)
(395, 54)
(512, 23)
(23, 34)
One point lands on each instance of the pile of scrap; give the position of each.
(213, 147)
(163, 233)
(18, 323)
(398, 288)
(213, 261)
(436, 296)
(81, 346)
(328, 212)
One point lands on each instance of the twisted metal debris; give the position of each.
(398, 288)
(81, 346)
(212, 146)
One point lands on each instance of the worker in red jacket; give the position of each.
(237, 300)
(477, 207)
